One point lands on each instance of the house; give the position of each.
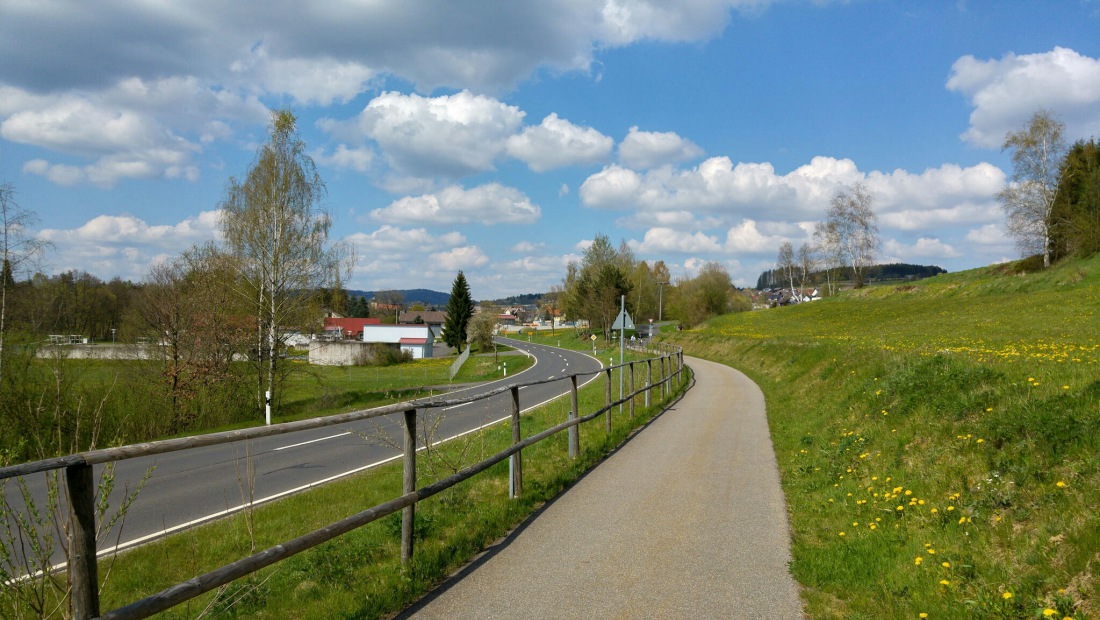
(432, 318)
(416, 339)
(339, 327)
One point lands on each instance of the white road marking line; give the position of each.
(295, 445)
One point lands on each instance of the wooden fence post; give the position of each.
(83, 571)
(574, 413)
(515, 486)
(633, 397)
(408, 514)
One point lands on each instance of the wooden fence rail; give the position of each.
(80, 485)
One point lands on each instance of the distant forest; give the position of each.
(773, 278)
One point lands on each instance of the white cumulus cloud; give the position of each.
(556, 143)
(647, 149)
(1005, 92)
(446, 136)
(492, 203)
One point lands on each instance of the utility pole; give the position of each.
(660, 300)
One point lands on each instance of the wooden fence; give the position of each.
(81, 488)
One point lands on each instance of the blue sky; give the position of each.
(500, 137)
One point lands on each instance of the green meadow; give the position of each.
(938, 441)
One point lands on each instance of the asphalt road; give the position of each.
(686, 520)
(194, 486)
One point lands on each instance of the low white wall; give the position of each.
(339, 353)
(100, 351)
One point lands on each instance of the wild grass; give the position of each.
(939, 441)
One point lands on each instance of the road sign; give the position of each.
(623, 321)
(593, 337)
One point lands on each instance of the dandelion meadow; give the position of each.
(939, 441)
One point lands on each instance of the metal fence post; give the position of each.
(408, 514)
(633, 397)
(574, 413)
(648, 381)
(515, 462)
(83, 571)
(607, 402)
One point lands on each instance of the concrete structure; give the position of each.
(416, 339)
(340, 353)
(100, 351)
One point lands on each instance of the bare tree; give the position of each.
(277, 230)
(828, 249)
(807, 263)
(1037, 153)
(784, 264)
(18, 248)
(856, 227)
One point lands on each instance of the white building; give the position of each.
(416, 339)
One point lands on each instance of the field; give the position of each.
(939, 441)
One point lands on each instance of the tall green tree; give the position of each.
(1075, 216)
(276, 228)
(18, 248)
(594, 287)
(460, 307)
(1037, 153)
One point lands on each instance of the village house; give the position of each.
(434, 319)
(418, 340)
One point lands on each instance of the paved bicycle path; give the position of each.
(687, 520)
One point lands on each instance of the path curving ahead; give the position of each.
(687, 520)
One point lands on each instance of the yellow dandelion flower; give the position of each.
(900, 508)
(922, 615)
(1048, 612)
(946, 565)
(935, 510)
(1061, 484)
(944, 582)
(1006, 595)
(918, 560)
(931, 552)
(840, 534)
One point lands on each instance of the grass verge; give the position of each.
(359, 575)
(939, 442)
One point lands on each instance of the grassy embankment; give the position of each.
(939, 441)
(359, 575)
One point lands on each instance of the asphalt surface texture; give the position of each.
(686, 520)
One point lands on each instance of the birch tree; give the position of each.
(1037, 153)
(276, 228)
(18, 248)
(784, 264)
(856, 226)
(826, 242)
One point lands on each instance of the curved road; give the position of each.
(193, 486)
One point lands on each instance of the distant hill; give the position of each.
(425, 296)
(525, 299)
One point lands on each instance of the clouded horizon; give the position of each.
(499, 138)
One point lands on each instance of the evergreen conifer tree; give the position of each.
(460, 307)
